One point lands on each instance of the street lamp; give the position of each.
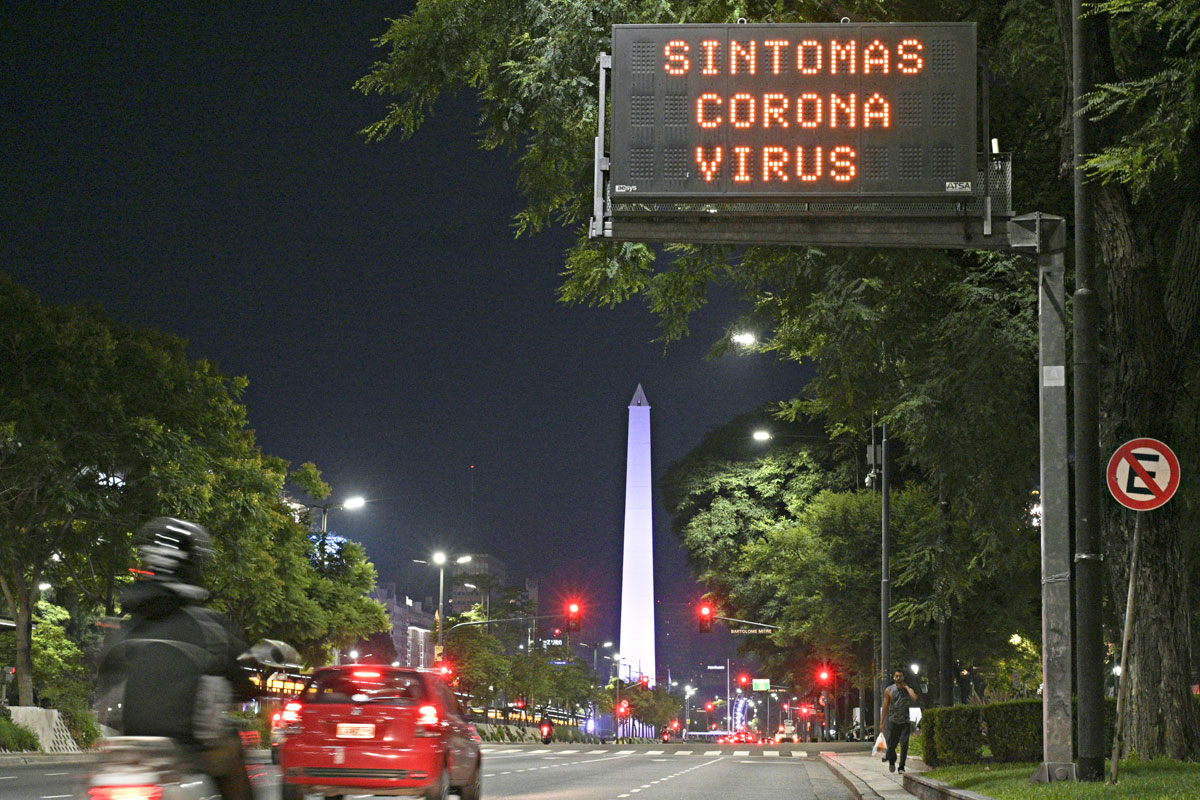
(744, 338)
(438, 560)
(349, 504)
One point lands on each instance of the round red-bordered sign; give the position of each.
(1143, 474)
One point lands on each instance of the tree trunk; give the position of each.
(946, 670)
(1153, 307)
(24, 620)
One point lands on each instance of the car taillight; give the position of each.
(427, 721)
(291, 712)
(140, 792)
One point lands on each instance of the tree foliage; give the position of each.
(103, 426)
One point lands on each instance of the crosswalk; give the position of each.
(491, 751)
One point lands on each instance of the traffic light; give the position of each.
(805, 711)
(743, 679)
(519, 702)
(623, 709)
(708, 706)
(446, 671)
(706, 618)
(573, 620)
(824, 676)
(674, 724)
(644, 681)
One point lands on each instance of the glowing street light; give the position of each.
(744, 338)
(438, 559)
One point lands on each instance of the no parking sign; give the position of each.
(1143, 474)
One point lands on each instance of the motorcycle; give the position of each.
(547, 732)
(147, 768)
(159, 768)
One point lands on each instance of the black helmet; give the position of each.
(174, 550)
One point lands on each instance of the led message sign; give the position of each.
(726, 111)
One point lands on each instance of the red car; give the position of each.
(359, 729)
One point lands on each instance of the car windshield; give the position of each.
(364, 686)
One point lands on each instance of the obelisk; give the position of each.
(637, 575)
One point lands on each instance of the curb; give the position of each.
(857, 787)
(18, 759)
(929, 789)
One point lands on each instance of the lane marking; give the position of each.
(565, 752)
(712, 752)
(740, 753)
(625, 752)
(771, 753)
(594, 752)
(654, 752)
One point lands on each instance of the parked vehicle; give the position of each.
(361, 729)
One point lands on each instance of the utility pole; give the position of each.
(885, 579)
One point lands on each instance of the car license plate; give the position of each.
(348, 731)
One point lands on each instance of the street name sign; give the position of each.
(786, 112)
(760, 684)
(1143, 474)
(749, 630)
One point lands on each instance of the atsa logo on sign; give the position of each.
(1143, 474)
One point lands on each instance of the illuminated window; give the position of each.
(776, 45)
(808, 110)
(803, 51)
(734, 118)
(910, 62)
(736, 51)
(835, 103)
(677, 61)
(705, 122)
(815, 164)
(709, 168)
(876, 55)
(775, 105)
(743, 156)
(846, 53)
(773, 161)
(712, 49)
(842, 160)
(876, 108)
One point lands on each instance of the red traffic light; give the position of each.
(706, 611)
(805, 710)
(644, 681)
(675, 724)
(824, 676)
(708, 706)
(573, 617)
(706, 618)
(520, 702)
(743, 679)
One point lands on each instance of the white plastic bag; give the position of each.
(880, 746)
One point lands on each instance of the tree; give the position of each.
(102, 427)
(960, 389)
(478, 662)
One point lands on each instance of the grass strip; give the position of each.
(1157, 779)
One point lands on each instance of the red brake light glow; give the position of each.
(291, 712)
(142, 792)
(427, 715)
(364, 673)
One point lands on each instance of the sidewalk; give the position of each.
(868, 777)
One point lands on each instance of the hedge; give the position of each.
(958, 734)
(1012, 731)
(16, 738)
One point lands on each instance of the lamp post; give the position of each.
(438, 560)
(350, 504)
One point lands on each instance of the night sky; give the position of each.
(200, 172)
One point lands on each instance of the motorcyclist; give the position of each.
(546, 728)
(173, 663)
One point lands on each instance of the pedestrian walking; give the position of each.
(897, 725)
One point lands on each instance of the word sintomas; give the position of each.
(794, 116)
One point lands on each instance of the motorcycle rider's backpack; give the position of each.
(167, 687)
